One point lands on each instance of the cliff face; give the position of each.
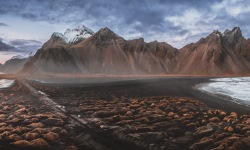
(218, 53)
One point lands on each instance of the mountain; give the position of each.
(106, 52)
(103, 52)
(14, 65)
(54, 59)
(218, 53)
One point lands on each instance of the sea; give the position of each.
(237, 88)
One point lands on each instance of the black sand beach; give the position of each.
(162, 113)
(164, 86)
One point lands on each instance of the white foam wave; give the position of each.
(236, 88)
(4, 83)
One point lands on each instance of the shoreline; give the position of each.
(226, 97)
(177, 86)
(160, 113)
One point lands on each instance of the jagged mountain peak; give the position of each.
(233, 36)
(18, 57)
(216, 33)
(73, 35)
(228, 36)
(236, 31)
(106, 34)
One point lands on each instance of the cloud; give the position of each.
(19, 45)
(175, 21)
(22, 42)
(233, 8)
(3, 24)
(5, 47)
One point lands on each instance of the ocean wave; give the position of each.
(5, 83)
(236, 88)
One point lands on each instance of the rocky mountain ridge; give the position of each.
(105, 52)
(218, 53)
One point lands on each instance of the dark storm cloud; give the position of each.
(126, 12)
(153, 20)
(26, 45)
(22, 42)
(3, 24)
(20, 45)
(5, 47)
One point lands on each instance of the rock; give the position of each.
(21, 144)
(14, 137)
(214, 119)
(129, 113)
(202, 144)
(203, 121)
(204, 130)
(159, 111)
(56, 129)
(143, 120)
(51, 136)
(170, 114)
(116, 118)
(39, 144)
(39, 131)
(64, 132)
(221, 136)
(245, 129)
(234, 138)
(246, 142)
(234, 114)
(175, 132)
(192, 124)
(31, 136)
(229, 129)
(223, 114)
(184, 139)
(72, 148)
(53, 121)
(222, 146)
(2, 124)
(36, 125)
(153, 105)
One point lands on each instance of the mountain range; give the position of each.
(80, 50)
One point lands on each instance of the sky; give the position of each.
(26, 24)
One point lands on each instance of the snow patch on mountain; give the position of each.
(18, 57)
(74, 35)
(31, 54)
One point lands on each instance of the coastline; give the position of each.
(165, 113)
(164, 86)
